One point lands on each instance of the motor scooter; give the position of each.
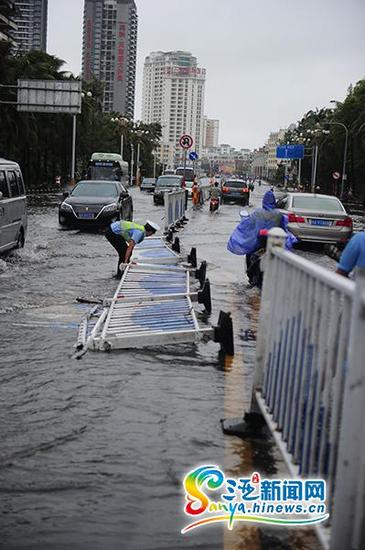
(214, 204)
(253, 261)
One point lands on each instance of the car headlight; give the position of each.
(65, 206)
(110, 207)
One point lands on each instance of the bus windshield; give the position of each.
(104, 173)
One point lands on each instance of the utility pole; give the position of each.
(73, 161)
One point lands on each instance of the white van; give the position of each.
(13, 215)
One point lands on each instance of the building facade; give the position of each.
(7, 23)
(110, 51)
(274, 140)
(259, 162)
(226, 159)
(173, 95)
(210, 132)
(31, 19)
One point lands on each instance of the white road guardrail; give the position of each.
(175, 203)
(310, 382)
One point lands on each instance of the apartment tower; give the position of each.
(110, 50)
(211, 133)
(31, 20)
(173, 95)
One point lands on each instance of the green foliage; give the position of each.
(41, 143)
(351, 113)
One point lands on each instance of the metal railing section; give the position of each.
(309, 348)
(175, 207)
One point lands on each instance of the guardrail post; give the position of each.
(348, 519)
(253, 421)
(276, 238)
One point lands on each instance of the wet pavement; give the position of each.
(94, 451)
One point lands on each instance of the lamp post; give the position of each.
(122, 125)
(344, 163)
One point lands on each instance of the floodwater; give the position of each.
(93, 452)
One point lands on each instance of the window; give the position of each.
(13, 184)
(20, 183)
(3, 185)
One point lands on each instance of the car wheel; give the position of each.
(21, 239)
(61, 220)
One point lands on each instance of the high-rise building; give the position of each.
(110, 51)
(173, 95)
(31, 19)
(211, 132)
(7, 23)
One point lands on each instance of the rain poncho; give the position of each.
(245, 238)
(269, 202)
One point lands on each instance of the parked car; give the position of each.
(95, 203)
(13, 211)
(148, 184)
(316, 218)
(166, 183)
(235, 190)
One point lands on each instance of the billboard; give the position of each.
(49, 96)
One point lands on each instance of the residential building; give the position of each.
(210, 132)
(110, 51)
(274, 140)
(31, 19)
(173, 95)
(7, 23)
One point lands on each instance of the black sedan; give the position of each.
(166, 184)
(95, 203)
(236, 190)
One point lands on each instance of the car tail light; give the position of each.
(225, 189)
(292, 218)
(346, 222)
(245, 190)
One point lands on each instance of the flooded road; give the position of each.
(94, 451)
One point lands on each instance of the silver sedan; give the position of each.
(316, 218)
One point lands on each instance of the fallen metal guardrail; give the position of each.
(310, 382)
(153, 305)
(175, 208)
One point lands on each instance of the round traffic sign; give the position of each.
(336, 175)
(193, 156)
(186, 141)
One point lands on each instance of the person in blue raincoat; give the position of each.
(246, 239)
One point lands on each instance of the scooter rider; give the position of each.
(247, 239)
(215, 197)
(215, 192)
(124, 235)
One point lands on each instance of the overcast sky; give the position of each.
(268, 61)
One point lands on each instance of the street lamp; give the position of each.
(122, 124)
(344, 174)
(139, 133)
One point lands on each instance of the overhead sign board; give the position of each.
(186, 141)
(290, 151)
(193, 156)
(49, 96)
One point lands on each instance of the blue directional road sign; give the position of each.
(290, 151)
(193, 155)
